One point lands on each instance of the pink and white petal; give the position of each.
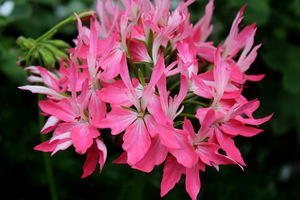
(65, 127)
(82, 136)
(102, 150)
(136, 141)
(62, 146)
(48, 146)
(66, 135)
(52, 94)
(50, 124)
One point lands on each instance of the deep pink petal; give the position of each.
(63, 110)
(166, 134)
(91, 161)
(171, 175)
(192, 182)
(157, 72)
(234, 127)
(82, 136)
(208, 153)
(186, 155)
(155, 155)
(136, 141)
(97, 109)
(227, 144)
(118, 119)
(115, 96)
(98, 149)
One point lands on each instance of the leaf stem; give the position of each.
(195, 102)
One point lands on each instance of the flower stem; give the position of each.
(139, 183)
(72, 18)
(47, 161)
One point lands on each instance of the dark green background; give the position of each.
(273, 157)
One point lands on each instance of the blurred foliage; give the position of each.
(273, 160)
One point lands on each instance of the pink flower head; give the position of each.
(143, 73)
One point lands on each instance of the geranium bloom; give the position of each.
(143, 73)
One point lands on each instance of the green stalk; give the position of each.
(139, 184)
(47, 161)
(70, 19)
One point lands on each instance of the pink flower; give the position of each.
(192, 157)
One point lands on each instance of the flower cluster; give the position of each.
(150, 76)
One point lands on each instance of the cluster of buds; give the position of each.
(150, 77)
